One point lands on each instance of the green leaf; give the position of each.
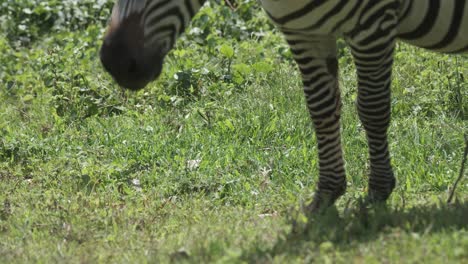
(242, 68)
(227, 51)
(28, 98)
(229, 124)
(262, 67)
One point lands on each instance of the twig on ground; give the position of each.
(462, 170)
(228, 2)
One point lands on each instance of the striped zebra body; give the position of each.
(142, 32)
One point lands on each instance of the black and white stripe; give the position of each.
(371, 29)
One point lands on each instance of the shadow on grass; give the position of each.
(363, 225)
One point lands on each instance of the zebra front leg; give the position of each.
(374, 70)
(317, 62)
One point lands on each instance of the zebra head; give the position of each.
(140, 34)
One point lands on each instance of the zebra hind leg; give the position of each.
(332, 177)
(374, 68)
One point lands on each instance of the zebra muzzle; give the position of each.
(124, 56)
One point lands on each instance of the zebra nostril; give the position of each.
(132, 65)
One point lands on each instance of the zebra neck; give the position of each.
(175, 10)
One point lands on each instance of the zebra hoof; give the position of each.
(321, 203)
(379, 196)
(380, 193)
(375, 200)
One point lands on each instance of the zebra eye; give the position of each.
(165, 46)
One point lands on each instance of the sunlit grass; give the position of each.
(218, 171)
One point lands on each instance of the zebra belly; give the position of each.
(439, 25)
(312, 17)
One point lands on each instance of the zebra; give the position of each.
(142, 32)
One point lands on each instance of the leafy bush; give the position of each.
(25, 20)
(222, 52)
(81, 24)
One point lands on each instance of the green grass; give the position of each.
(214, 166)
